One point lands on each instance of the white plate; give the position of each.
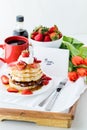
(4, 71)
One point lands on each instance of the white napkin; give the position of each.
(69, 95)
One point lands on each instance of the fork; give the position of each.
(45, 100)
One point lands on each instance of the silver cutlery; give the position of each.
(45, 100)
(54, 95)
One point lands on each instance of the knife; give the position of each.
(54, 97)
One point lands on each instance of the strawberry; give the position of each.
(4, 79)
(43, 30)
(26, 92)
(39, 37)
(21, 65)
(54, 36)
(47, 38)
(34, 65)
(45, 82)
(13, 90)
(53, 29)
(44, 77)
(33, 35)
(25, 53)
(48, 78)
(60, 35)
(36, 61)
(43, 33)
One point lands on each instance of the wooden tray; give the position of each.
(41, 118)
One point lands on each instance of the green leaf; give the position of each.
(71, 67)
(37, 28)
(73, 45)
(82, 66)
(77, 44)
(71, 48)
(67, 39)
(44, 29)
(63, 46)
(83, 52)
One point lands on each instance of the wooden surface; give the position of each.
(41, 118)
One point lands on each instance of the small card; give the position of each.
(54, 61)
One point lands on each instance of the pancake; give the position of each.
(26, 73)
(25, 85)
(27, 78)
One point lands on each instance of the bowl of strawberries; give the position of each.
(46, 36)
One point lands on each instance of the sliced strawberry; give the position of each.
(26, 91)
(21, 65)
(47, 38)
(34, 65)
(48, 78)
(45, 82)
(4, 79)
(25, 53)
(13, 90)
(36, 60)
(44, 77)
(39, 37)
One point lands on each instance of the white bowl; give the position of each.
(51, 44)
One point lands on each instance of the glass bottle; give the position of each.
(19, 29)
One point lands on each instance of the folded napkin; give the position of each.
(69, 95)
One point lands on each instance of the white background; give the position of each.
(70, 16)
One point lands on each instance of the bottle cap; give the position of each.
(20, 18)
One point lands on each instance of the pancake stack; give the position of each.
(24, 75)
